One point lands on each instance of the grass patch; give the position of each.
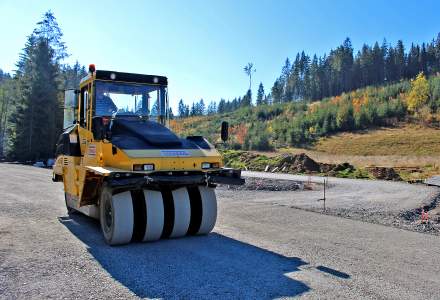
(406, 140)
(354, 174)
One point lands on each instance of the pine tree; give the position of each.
(201, 109)
(212, 108)
(193, 111)
(49, 30)
(277, 92)
(154, 109)
(221, 108)
(7, 96)
(247, 99)
(73, 75)
(400, 60)
(284, 81)
(260, 95)
(181, 110)
(37, 119)
(170, 113)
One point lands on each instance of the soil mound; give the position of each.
(384, 173)
(299, 163)
(332, 169)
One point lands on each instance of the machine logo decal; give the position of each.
(92, 150)
(174, 153)
(73, 138)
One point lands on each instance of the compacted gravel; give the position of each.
(397, 204)
(261, 248)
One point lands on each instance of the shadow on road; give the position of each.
(333, 272)
(212, 266)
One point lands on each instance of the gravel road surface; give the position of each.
(376, 195)
(260, 249)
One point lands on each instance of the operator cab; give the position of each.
(108, 95)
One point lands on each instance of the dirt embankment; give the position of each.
(384, 173)
(303, 164)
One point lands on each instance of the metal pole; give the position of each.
(325, 183)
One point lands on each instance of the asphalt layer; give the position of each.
(261, 248)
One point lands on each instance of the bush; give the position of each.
(261, 143)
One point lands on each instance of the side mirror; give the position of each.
(225, 131)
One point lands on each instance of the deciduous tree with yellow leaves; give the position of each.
(419, 93)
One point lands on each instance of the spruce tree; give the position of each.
(260, 94)
(181, 110)
(37, 119)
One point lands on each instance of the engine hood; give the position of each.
(133, 134)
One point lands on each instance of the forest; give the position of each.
(31, 100)
(314, 78)
(380, 85)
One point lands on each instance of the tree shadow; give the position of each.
(212, 266)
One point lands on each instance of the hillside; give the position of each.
(302, 124)
(404, 140)
(411, 151)
(375, 126)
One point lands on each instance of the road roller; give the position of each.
(120, 163)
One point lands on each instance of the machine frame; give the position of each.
(87, 160)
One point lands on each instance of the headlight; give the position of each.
(149, 167)
(146, 167)
(207, 165)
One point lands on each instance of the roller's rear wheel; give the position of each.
(69, 209)
(209, 210)
(154, 214)
(147, 215)
(116, 216)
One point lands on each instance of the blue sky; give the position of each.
(202, 46)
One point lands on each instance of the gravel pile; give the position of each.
(273, 185)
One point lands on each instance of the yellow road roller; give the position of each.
(120, 163)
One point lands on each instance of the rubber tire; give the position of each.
(182, 212)
(155, 215)
(70, 210)
(118, 229)
(209, 209)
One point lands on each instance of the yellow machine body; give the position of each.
(83, 175)
(121, 164)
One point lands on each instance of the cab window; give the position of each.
(84, 105)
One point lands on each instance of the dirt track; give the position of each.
(261, 248)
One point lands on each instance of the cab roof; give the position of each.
(127, 77)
